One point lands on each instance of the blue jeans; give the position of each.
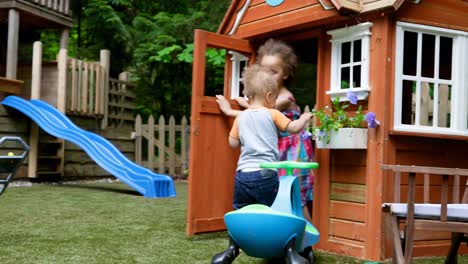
(256, 187)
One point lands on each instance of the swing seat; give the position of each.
(10, 163)
(262, 231)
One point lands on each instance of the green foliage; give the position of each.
(334, 118)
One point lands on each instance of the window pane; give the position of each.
(243, 64)
(445, 58)
(345, 52)
(357, 51)
(426, 104)
(407, 105)
(344, 84)
(357, 76)
(445, 92)
(410, 48)
(428, 48)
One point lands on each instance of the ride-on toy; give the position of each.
(9, 162)
(276, 231)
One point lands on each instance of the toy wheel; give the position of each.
(308, 254)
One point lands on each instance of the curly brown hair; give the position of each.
(258, 81)
(275, 47)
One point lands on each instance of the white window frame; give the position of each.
(350, 34)
(236, 59)
(459, 81)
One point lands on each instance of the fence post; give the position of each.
(150, 143)
(172, 146)
(162, 143)
(138, 139)
(105, 63)
(183, 145)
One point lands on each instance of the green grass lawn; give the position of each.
(108, 223)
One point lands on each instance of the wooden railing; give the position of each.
(85, 88)
(120, 106)
(61, 6)
(167, 159)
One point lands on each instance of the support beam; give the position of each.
(12, 48)
(64, 39)
(62, 80)
(105, 63)
(35, 94)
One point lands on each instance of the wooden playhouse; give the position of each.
(404, 59)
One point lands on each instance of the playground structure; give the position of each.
(400, 57)
(279, 231)
(54, 122)
(10, 162)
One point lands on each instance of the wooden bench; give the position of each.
(444, 216)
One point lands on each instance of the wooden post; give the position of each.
(162, 144)
(123, 76)
(62, 80)
(105, 63)
(35, 94)
(138, 139)
(183, 145)
(12, 48)
(64, 39)
(172, 146)
(150, 163)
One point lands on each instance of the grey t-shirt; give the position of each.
(258, 135)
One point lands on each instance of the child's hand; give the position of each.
(242, 102)
(223, 103)
(306, 116)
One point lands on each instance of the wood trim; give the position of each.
(229, 17)
(208, 225)
(36, 10)
(426, 135)
(378, 64)
(303, 18)
(459, 227)
(11, 86)
(322, 183)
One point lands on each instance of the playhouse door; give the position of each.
(212, 162)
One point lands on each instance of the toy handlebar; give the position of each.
(289, 165)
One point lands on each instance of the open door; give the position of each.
(212, 162)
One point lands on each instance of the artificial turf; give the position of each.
(109, 223)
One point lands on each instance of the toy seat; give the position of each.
(9, 163)
(264, 232)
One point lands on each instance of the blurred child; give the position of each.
(255, 130)
(281, 60)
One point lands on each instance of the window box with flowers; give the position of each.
(338, 130)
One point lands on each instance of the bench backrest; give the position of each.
(445, 173)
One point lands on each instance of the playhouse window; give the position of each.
(350, 61)
(239, 61)
(431, 83)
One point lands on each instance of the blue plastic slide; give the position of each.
(106, 155)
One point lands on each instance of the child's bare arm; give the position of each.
(234, 143)
(297, 125)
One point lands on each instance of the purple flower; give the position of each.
(371, 121)
(352, 97)
(306, 135)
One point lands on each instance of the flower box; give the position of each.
(344, 138)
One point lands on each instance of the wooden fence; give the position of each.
(166, 158)
(85, 88)
(61, 6)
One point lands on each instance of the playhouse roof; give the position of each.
(250, 12)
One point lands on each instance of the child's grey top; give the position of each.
(257, 131)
